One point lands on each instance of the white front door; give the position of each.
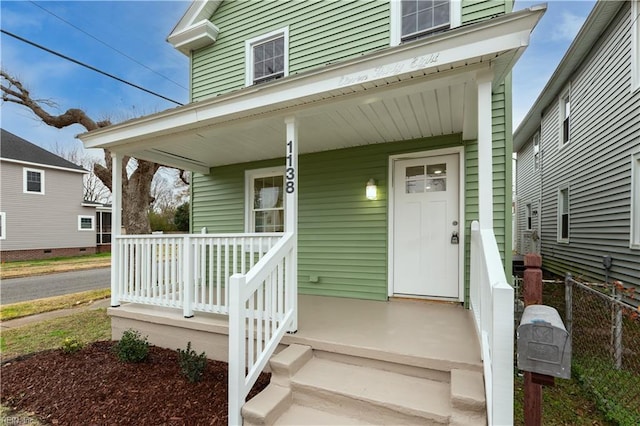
(426, 226)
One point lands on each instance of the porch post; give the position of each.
(116, 225)
(485, 162)
(291, 214)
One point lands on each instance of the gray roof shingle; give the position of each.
(13, 147)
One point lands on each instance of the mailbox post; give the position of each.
(543, 351)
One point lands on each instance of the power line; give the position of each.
(108, 45)
(92, 68)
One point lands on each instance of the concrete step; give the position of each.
(371, 395)
(299, 415)
(467, 391)
(307, 388)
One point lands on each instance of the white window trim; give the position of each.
(455, 19)
(559, 214)
(24, 180)
(536, 154)
(3, 223)
(562, 115)
(93, 223)
(634, 231)
(249, 177)
(248, 52)
(635, 45)
(528, 216)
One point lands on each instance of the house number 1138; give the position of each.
(290, 172)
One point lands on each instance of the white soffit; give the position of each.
(194, 30)
(416, 90)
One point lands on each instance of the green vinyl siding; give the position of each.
(502, 148)
(320, 32)
(479, 10)
(342, 235)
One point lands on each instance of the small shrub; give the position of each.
(132, 347)
(71, 345)
(191, 364)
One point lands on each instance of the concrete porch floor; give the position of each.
(415, 332)
(426, 334)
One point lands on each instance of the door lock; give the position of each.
(454, 238)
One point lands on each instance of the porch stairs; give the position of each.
(314, 387)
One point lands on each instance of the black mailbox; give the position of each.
(544, 346)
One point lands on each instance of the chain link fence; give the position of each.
(605, 333)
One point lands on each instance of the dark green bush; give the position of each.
(132, 347)
(191, 364)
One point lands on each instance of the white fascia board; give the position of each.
(45, 166)
(196, 12)
(196, 36)
(488, 38)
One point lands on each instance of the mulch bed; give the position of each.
(92, 387)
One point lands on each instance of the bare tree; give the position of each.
(94, 189)
(136, 181)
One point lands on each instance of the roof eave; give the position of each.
(595, 25)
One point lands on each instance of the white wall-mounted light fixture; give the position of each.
(372, 190)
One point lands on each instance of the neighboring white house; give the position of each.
(42, 210)
(578, 154)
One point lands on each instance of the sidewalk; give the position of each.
(19, 322)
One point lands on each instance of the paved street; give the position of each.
(21, 289)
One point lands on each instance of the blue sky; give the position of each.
(139, 30)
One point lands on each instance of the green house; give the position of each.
(338, 149)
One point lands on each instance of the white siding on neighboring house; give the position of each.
(528, 195)
(595, 164)
(49, 220)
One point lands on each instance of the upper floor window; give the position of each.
(635, 45)
(3, 225)
(33, 181)
(265, 200)
(563, 215)
(424, 16)
(267, 57)
(536, 151)
(412, 19)
(85, 223)
(635, 201)
(565, 117)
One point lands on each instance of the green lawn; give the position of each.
(86, 326)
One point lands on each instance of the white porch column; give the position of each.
(485, 151)
(291, 211)
(116, 225)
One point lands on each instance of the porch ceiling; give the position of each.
(421, 89)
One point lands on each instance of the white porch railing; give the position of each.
(492, 306)
(190, 272)
(262, 307)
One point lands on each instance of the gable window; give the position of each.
(563, 215)
(635, 201)
(536, 151)
(635, 45)
(565, 118)
(267, 57)
(85, 223)
(33, 181)
(265, 200)
(3, 225)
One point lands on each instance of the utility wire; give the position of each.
(92, 68)
(108, 45)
